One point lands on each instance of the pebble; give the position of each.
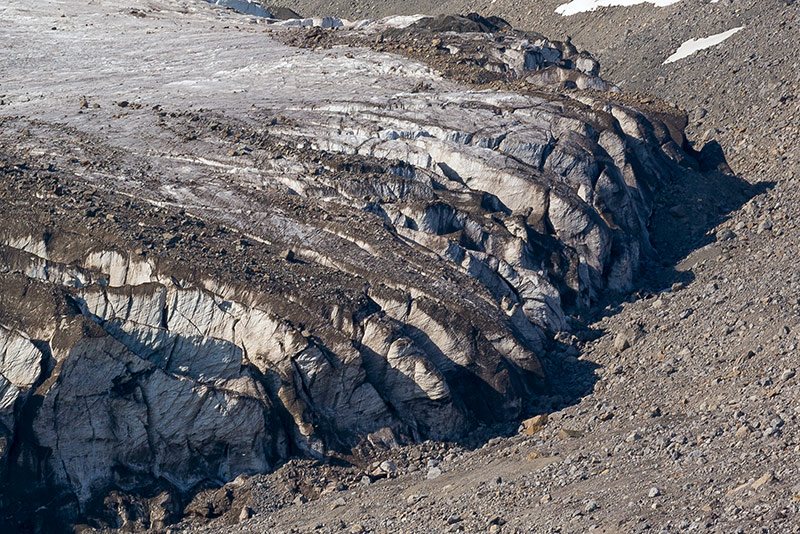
(533, 425)
(725, 234)
(568, 433)
(388, 467)
(765, 479)
(246, 513)
(621, 342)
(433, 472)
(633, 436)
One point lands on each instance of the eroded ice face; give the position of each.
(246, 7)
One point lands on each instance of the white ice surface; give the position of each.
(243, 6)
(580, 6)
(99, 51)
(693, 45)
(320, 22)
(401, 21)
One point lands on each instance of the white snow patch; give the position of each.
(693, 45)
(580, 6)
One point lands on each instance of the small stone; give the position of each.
(388, 467)
(725, 235)
(621, 342)
(357, 529)
(170, 238)
(496, 520)
(433, 472)
(590, 507)
(633, 436)
(787, 374)
(414, 499)
(742, 432)
(678, 211)
(699, 113)
(567, 433)
(654, 492)
(339, 502)
(767, 478)
(246, 513)
(764, 225)
(494, 529)
(533, 425)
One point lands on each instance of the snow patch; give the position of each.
(693, 45)
(580, 6)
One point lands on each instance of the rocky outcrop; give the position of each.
(492, 44)
(203, 293)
